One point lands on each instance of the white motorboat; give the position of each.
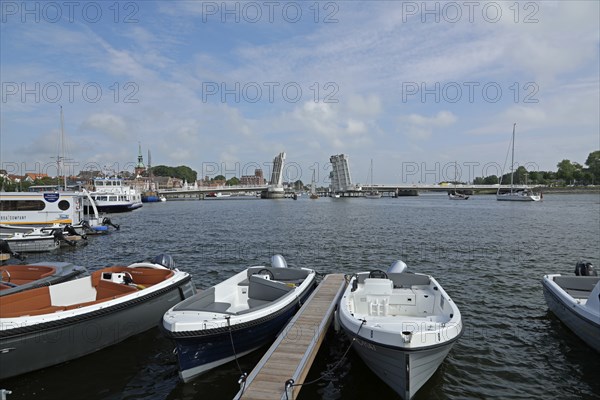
(575, 300)
(401, 324)
(34, 240)
(113, 195)
(236, 316)
(457, 196)
(49, 325)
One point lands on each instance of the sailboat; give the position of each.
(313, 188)
(372, 194)
(454, 195)
(520, 194)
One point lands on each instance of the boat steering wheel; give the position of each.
(377, 273)
(128, 278)
(266, 272)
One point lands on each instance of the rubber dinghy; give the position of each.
(49, 325)
(236, 316)
(402, 325)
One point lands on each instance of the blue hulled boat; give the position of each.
(236, 316)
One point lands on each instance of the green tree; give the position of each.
(181, 172)
(593, 164)
(219, 178)
(491, 180)
(566, 171)
(233, 181)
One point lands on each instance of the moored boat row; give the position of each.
(402, 324)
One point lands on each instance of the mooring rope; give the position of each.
(290, 382)
(243, 375)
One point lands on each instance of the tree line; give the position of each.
(567, 173)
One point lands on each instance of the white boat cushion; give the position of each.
(72, 292)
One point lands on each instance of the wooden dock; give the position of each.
(294, 350)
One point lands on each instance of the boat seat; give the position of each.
(254, 304)
(217, 306)
(263, 289)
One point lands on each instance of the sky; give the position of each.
(424, 90)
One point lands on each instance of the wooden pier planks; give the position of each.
(292, 354)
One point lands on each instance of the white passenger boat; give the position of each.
(236, 316)
(402, 325)
(41, 208)
(575, 300)
(49, 325)
(113, 195)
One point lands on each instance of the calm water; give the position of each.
(489, 256)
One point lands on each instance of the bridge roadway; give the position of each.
(202, 191)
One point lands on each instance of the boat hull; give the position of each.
(404, 370)
(33, 245)
(198, 352)
(517, 197)
(587, 329)
(29, 348)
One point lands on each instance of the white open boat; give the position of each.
(53, 324)
(236, 316)
(575, 300)
(402, 325)
(458, 196)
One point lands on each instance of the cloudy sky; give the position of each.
(223, 87)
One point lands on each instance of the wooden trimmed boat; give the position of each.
(16, 278)
(53, 324)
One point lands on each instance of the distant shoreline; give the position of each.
(556, 190)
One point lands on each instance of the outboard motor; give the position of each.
(71, 231)
(59, 235)
(277, 261)
(5, 248)
(585, 269)
(165, 260)
(107, 221)
(397, 267)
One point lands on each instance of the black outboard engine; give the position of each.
(165, 260)
(107, 221)
(59, 235)
(585, 269)
(5, 248)
(71, 231)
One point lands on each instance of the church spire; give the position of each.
(140, 168)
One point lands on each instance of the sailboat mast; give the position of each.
(512, 159)
(62, 148)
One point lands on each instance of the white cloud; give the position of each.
(420, 127)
